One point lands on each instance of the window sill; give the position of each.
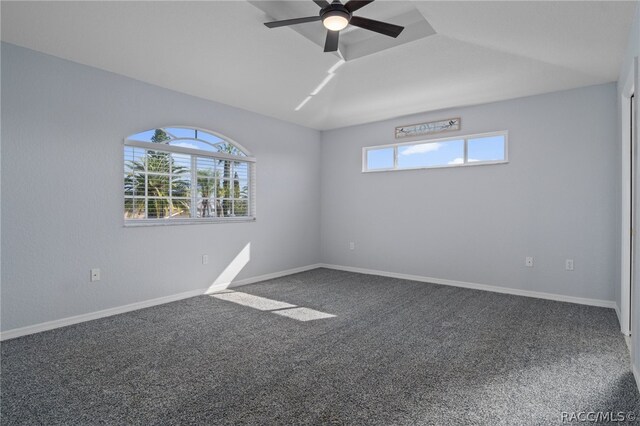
(132, 223)
(444, 166)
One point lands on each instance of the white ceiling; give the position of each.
(481, 52)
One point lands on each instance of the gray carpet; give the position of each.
(397, 353)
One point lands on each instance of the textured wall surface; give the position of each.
(557, 198)
(62, 130)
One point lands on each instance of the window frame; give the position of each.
(465, 163)
(194, 153)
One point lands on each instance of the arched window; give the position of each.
(182, 174)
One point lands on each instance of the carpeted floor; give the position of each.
(396, 353)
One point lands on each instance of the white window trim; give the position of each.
(189, 151)
(201, 153)
(466, 138)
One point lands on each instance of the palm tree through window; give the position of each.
(186, 174)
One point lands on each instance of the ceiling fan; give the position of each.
(335, 16)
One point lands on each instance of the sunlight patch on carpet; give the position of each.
(275, 306)
(303, 314)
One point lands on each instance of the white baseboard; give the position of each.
(50, 325)
(624, 330)
(251, 280)
(475, 286)
(36, 328)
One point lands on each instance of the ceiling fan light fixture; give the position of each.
(335, 20)
(335, 17)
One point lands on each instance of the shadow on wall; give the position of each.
(232, 270)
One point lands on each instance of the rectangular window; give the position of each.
(380, 159)
(433, 154)
(488, 148)
(169, 187)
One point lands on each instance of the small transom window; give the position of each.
(486, 148)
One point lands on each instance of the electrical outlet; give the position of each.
(568, 264)
(528, 261)
(205, 259)
(352, 245)
(95, 274)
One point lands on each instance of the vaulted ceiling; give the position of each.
(480, 52)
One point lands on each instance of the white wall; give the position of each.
(625, 88)
(557, 198)
(628, 74)
(631, 51)
(62, 130)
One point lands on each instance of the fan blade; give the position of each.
(321, 3)
(353, 5)
(331, 43)
(295, 21)
(377, 26)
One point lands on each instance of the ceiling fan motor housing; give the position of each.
(335, 9)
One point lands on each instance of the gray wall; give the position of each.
(62, 131)
(631, 55)
(557, 198)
